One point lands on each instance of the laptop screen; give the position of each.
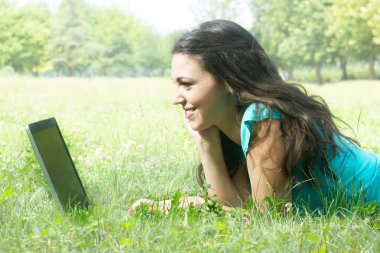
(57, 164)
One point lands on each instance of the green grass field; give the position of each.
(128, 142)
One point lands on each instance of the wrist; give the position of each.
(207, 143)
(206, 148)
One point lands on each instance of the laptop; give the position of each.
(57, 165)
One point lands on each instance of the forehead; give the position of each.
(184, 65)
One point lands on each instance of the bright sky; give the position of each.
(163, 15)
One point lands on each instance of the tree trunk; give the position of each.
(343, 67)
(372, 72)
(318, 74)
(290, 73)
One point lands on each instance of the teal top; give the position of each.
(355, 176)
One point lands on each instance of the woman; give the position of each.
(259, 136)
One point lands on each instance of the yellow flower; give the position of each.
(207, 245)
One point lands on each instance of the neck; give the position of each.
(230, 126)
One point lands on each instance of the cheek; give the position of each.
(200, 98)
(218, 100)
(209, 97)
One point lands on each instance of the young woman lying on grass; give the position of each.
(259, 136)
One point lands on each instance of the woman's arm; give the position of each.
(217, 177)
(265, 162)
(220, 183)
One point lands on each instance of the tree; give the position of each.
(339, 47)
(308, 33)
(8, 17)
(372, 14)
(114, 32)
(293, 32)
(154, 51)
(24, 35)
(128, 47)
(273, 30)
(72, 49)
(359, 19)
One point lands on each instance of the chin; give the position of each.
(197, 127)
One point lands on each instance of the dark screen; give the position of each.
(60, 168)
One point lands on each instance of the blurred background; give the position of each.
(311, 41)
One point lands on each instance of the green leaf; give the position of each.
(176, 199)
(7, 194)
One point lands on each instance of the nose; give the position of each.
(178, 99)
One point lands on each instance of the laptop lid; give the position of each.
(56, 163)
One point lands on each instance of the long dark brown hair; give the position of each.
(235, 58)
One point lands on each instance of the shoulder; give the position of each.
(254, 113)
(258, 111)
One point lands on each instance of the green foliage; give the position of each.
(359, 42)
(115, 33)
(106, 42)
(7, 193)
(24, 36)
(273, 25)
(80, 40)
(373, 16)
(83, 40)
(318, 33)
(72, 49)
(176, 199)
(294, 32)
(7, 71)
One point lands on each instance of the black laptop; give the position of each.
(56, 164)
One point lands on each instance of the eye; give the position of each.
(186, 85)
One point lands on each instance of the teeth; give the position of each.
(189, 111)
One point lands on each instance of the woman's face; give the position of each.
(204, 101)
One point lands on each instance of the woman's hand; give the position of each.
(209, 135)
(151, 204)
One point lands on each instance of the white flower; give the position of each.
(288, 207)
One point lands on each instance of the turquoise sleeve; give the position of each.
(254, 113)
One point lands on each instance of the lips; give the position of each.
(189, 112)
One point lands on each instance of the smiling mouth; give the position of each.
(188, 112)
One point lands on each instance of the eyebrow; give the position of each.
(180, 78)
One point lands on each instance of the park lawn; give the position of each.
(129, 142)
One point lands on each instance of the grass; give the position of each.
(128, 142)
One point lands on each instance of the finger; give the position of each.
(133, 208)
